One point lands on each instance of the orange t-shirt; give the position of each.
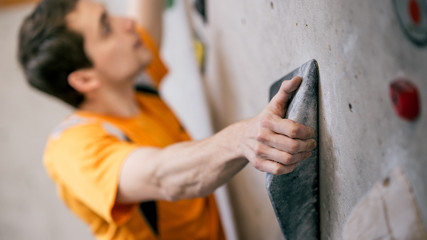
(84, 156)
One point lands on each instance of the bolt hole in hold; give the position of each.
(386, 182)
(350, 107)
(414, 11)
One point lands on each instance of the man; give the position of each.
(122, 161)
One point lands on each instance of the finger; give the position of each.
(284, 143)
(279, 102)
(285, 158)
(290, 159)
(273, 167)
(288, 128)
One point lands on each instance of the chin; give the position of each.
(145, 62)
(144, 65)
(146, 57)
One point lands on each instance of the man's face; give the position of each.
(111, 42)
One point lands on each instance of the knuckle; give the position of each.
(314, 144)
(257, 163)
(265, 121)
(311, 132)
(307, 145)
(303, 156)
(290, 168)
(293, 130)
(258, 150)
(287, 159)
(293, 147)
(277, 169)
(261, 136)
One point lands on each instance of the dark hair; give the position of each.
(49, 51)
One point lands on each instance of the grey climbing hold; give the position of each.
(295, 196)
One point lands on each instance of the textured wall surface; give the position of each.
(360, 49)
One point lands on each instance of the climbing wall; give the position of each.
(364, 54)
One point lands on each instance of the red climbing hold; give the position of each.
(414, 11)
(404, 96)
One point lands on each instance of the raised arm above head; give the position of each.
(148, 13)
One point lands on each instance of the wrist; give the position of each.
(238, 137)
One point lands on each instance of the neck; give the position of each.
(119, 102)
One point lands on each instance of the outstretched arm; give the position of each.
(148, 13)
(192, 169)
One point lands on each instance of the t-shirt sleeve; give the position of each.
(86, 160)
(157, 69)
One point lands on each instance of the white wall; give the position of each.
(29, 205)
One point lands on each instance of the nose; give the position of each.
(129, 25)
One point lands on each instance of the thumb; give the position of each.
(278, 104)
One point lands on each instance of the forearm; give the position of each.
(183, 170)
(148, 13)
(197, 168)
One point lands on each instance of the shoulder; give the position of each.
(84, 140)
(72, 123)
(80, 137)
(79, 126)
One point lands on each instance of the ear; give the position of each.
(83, 80)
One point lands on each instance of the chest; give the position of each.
(156, 126)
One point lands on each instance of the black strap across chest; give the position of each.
(146, 89)
(148, 209)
